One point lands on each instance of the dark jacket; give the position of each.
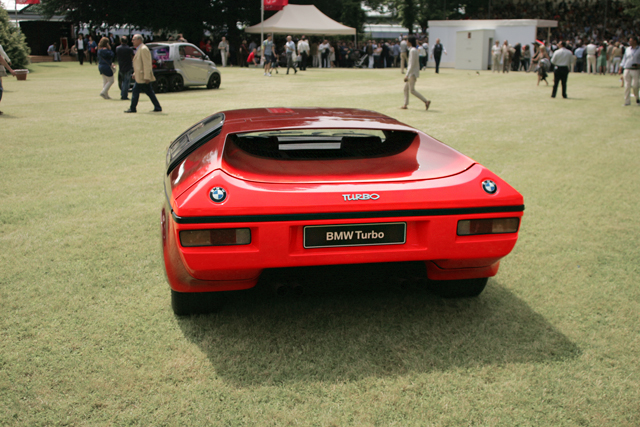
(125, 58)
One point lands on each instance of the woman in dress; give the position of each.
(105, 66)
(540, 55)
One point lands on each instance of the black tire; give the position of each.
(176, 84)
(214, 81)
(187, 303)
(467, 288)
(162, 85)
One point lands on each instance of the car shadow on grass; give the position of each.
(356, 322)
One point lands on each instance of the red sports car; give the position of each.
(256, 189)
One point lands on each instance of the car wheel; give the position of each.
(214, 81)
(186, 303)
(177, 84)
(467, 288)
(162, 85)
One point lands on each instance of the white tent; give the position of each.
(301, 19)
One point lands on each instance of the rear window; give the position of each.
(311, 144)
(160, 53)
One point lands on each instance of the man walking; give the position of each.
(267, 54)
(631, 65)
(562, 58)
(125, 67)
(413, 72)
(290, 50)
(143, 74)
(437, 53)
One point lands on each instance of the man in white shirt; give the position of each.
(422, 55)
(631, 64)
(591, 57)
(562, 58)
(324, 50)
(413, 72)
(425, 46)
(303, 51)
(290, 51)
(80, 46)
(495, 57)
(223, 47)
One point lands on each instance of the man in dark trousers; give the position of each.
(437, 54)
(125, 67)
(562, 58)
(143, 74)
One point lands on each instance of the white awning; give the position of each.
(301, 19)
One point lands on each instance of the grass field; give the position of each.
(88, 338)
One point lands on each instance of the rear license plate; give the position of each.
(327, 236)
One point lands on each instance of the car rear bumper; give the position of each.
(279, 243)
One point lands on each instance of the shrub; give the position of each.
(13, 42)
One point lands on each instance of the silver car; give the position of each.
(177, 65)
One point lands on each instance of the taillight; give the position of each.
(469, 227)
(216, 237)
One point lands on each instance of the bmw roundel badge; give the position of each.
(489, 186)
(218, 194)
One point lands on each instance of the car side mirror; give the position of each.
(205, 58)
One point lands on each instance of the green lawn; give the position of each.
(88, 338)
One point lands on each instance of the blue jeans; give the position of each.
(146, 88)
(125, 81)
(1, 90)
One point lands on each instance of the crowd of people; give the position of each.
(591, 39)
(578, 20)
(314, 52)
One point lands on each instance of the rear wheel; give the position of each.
(162, 85)
(176, 84)
(467, 288)
(186, 303)
(214, 81)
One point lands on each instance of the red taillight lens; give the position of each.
(218, 237)
(471, 227)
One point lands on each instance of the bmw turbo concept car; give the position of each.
(258, 189)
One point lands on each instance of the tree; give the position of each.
(632, 8)
(407, 10)
(13, 42)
